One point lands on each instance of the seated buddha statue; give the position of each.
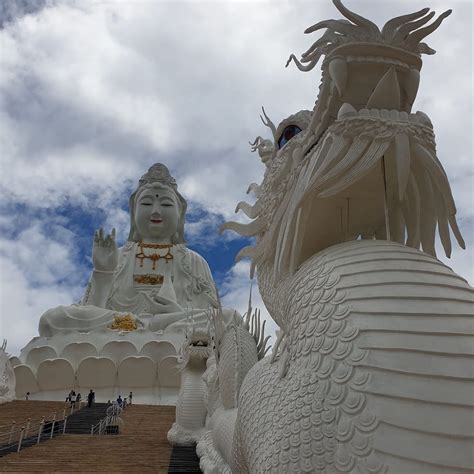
(154, 280)
(140, 303)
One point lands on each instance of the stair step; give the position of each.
(82, 420)
(184, 459)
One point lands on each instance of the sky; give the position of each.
(94, 92)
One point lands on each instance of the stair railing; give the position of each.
(11, 427)
(111, 420)
(21, 439)
(15, 436)
(40, 430)
(102, 426)
(11, 432)
(52, 426)
(28, 423)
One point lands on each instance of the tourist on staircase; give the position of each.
(78, 401)
(90, 398)
(70, 395)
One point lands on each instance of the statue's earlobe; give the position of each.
(136, 237)
(178, 237)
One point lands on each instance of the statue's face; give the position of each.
(157, 213)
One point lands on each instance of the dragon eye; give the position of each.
(288, 134)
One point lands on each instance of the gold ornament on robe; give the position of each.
(124, 323)
(149, 279)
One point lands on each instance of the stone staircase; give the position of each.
(184, 460)
(142, 447)
(81, 421)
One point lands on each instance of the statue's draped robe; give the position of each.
(192, 283)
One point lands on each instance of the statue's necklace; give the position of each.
(154, 257)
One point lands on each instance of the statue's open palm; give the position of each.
(104, 251)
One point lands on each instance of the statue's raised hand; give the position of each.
(104, 251)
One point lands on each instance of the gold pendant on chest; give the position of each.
(155, 256)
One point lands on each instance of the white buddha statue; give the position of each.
(139, 302)
(153, 278)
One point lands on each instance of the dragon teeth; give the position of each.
(338, 74)
(410, 85)
(387, 92)
(423, 118)
(346, 110)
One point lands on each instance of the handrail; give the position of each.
(5, 426)
(12, 432)
(54, 425)
(50, 416)
(17, 442)
(30, 421)
(111, 419)
(21, 439)
(40, 431)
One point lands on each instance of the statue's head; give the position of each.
(157, 210)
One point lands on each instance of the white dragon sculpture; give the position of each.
(214, 364)
(191, 408)
(372, 371)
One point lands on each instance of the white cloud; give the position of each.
(120, 220)
(204, 230)
(37, 273)
(14, 9)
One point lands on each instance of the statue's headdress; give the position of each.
(158, 174)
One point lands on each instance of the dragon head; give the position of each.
(360, 164)
(196, 346)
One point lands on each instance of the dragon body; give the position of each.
(191, 409)
(376, 371)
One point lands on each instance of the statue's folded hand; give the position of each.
(166, 305)
(104, 251)
(165, 312)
